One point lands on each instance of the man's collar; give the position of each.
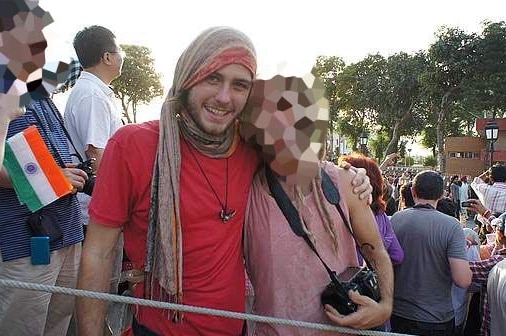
(93, 78)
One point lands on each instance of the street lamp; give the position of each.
(491, 134)
(364, 137)
(409, 155)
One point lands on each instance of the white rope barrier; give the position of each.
(184, 308)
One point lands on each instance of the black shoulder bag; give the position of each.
(363, 280)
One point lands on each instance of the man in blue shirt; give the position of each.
(39, 313)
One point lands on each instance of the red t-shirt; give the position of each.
(213, 268)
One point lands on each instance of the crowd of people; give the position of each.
(230, 188)
(482, 203)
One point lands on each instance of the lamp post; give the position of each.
(491, 134)
(364, 137)
(409, 155)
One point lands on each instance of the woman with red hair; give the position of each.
(378, 205)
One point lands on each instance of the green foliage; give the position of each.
(378, 145)
(430, 161)
(139, 83)
(327, 68)
(379, 91)
(485, 89)
(438, 92)
(409, 161)
(450, 62)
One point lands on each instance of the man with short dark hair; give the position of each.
(434, 258)
(91, 115)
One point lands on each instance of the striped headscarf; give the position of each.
(210, 51)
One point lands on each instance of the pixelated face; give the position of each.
(24, 45)
(215, 102)
(288, 117)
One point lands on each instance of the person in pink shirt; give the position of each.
(288, 117)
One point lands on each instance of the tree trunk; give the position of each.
(124, 105)
(441, 118)
(394, 140)
(134, 111)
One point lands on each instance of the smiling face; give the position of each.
(215, 102)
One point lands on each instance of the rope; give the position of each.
(183, 308)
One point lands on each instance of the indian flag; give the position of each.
(36, 177)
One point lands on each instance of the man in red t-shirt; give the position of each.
(185, 211)
(178, 189)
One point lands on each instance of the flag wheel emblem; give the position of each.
(31, 168)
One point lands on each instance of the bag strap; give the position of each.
(60, 121)
(56, 153)
(292, 215)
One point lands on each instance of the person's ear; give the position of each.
(413, 192)
(107, 58)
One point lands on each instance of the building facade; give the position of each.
(471, 155)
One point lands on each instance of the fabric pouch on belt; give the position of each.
(45, 223)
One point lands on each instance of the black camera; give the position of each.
(86, 166)
(467, 204)
(359, 279)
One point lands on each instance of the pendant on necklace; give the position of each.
(227, 215)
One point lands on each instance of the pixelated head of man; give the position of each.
(288, 118)
(22, 48)
(22, 43)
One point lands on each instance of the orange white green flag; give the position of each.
(35, 175)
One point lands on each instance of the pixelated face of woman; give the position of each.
(288, 118)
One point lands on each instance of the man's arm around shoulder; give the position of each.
(94, 274)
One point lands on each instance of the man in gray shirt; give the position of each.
(434, 258)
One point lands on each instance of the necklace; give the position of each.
(225, 213)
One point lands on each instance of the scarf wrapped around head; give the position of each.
(210, 51)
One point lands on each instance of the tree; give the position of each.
(450, 60)
(485, 89)
(327, 69)
(139, 83)
(399, 105)
(409, 161)
(378, 144)
(430, 161)
(379, 91)
(355, 87)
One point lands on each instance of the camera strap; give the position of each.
(292, 215)
(60, 121)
